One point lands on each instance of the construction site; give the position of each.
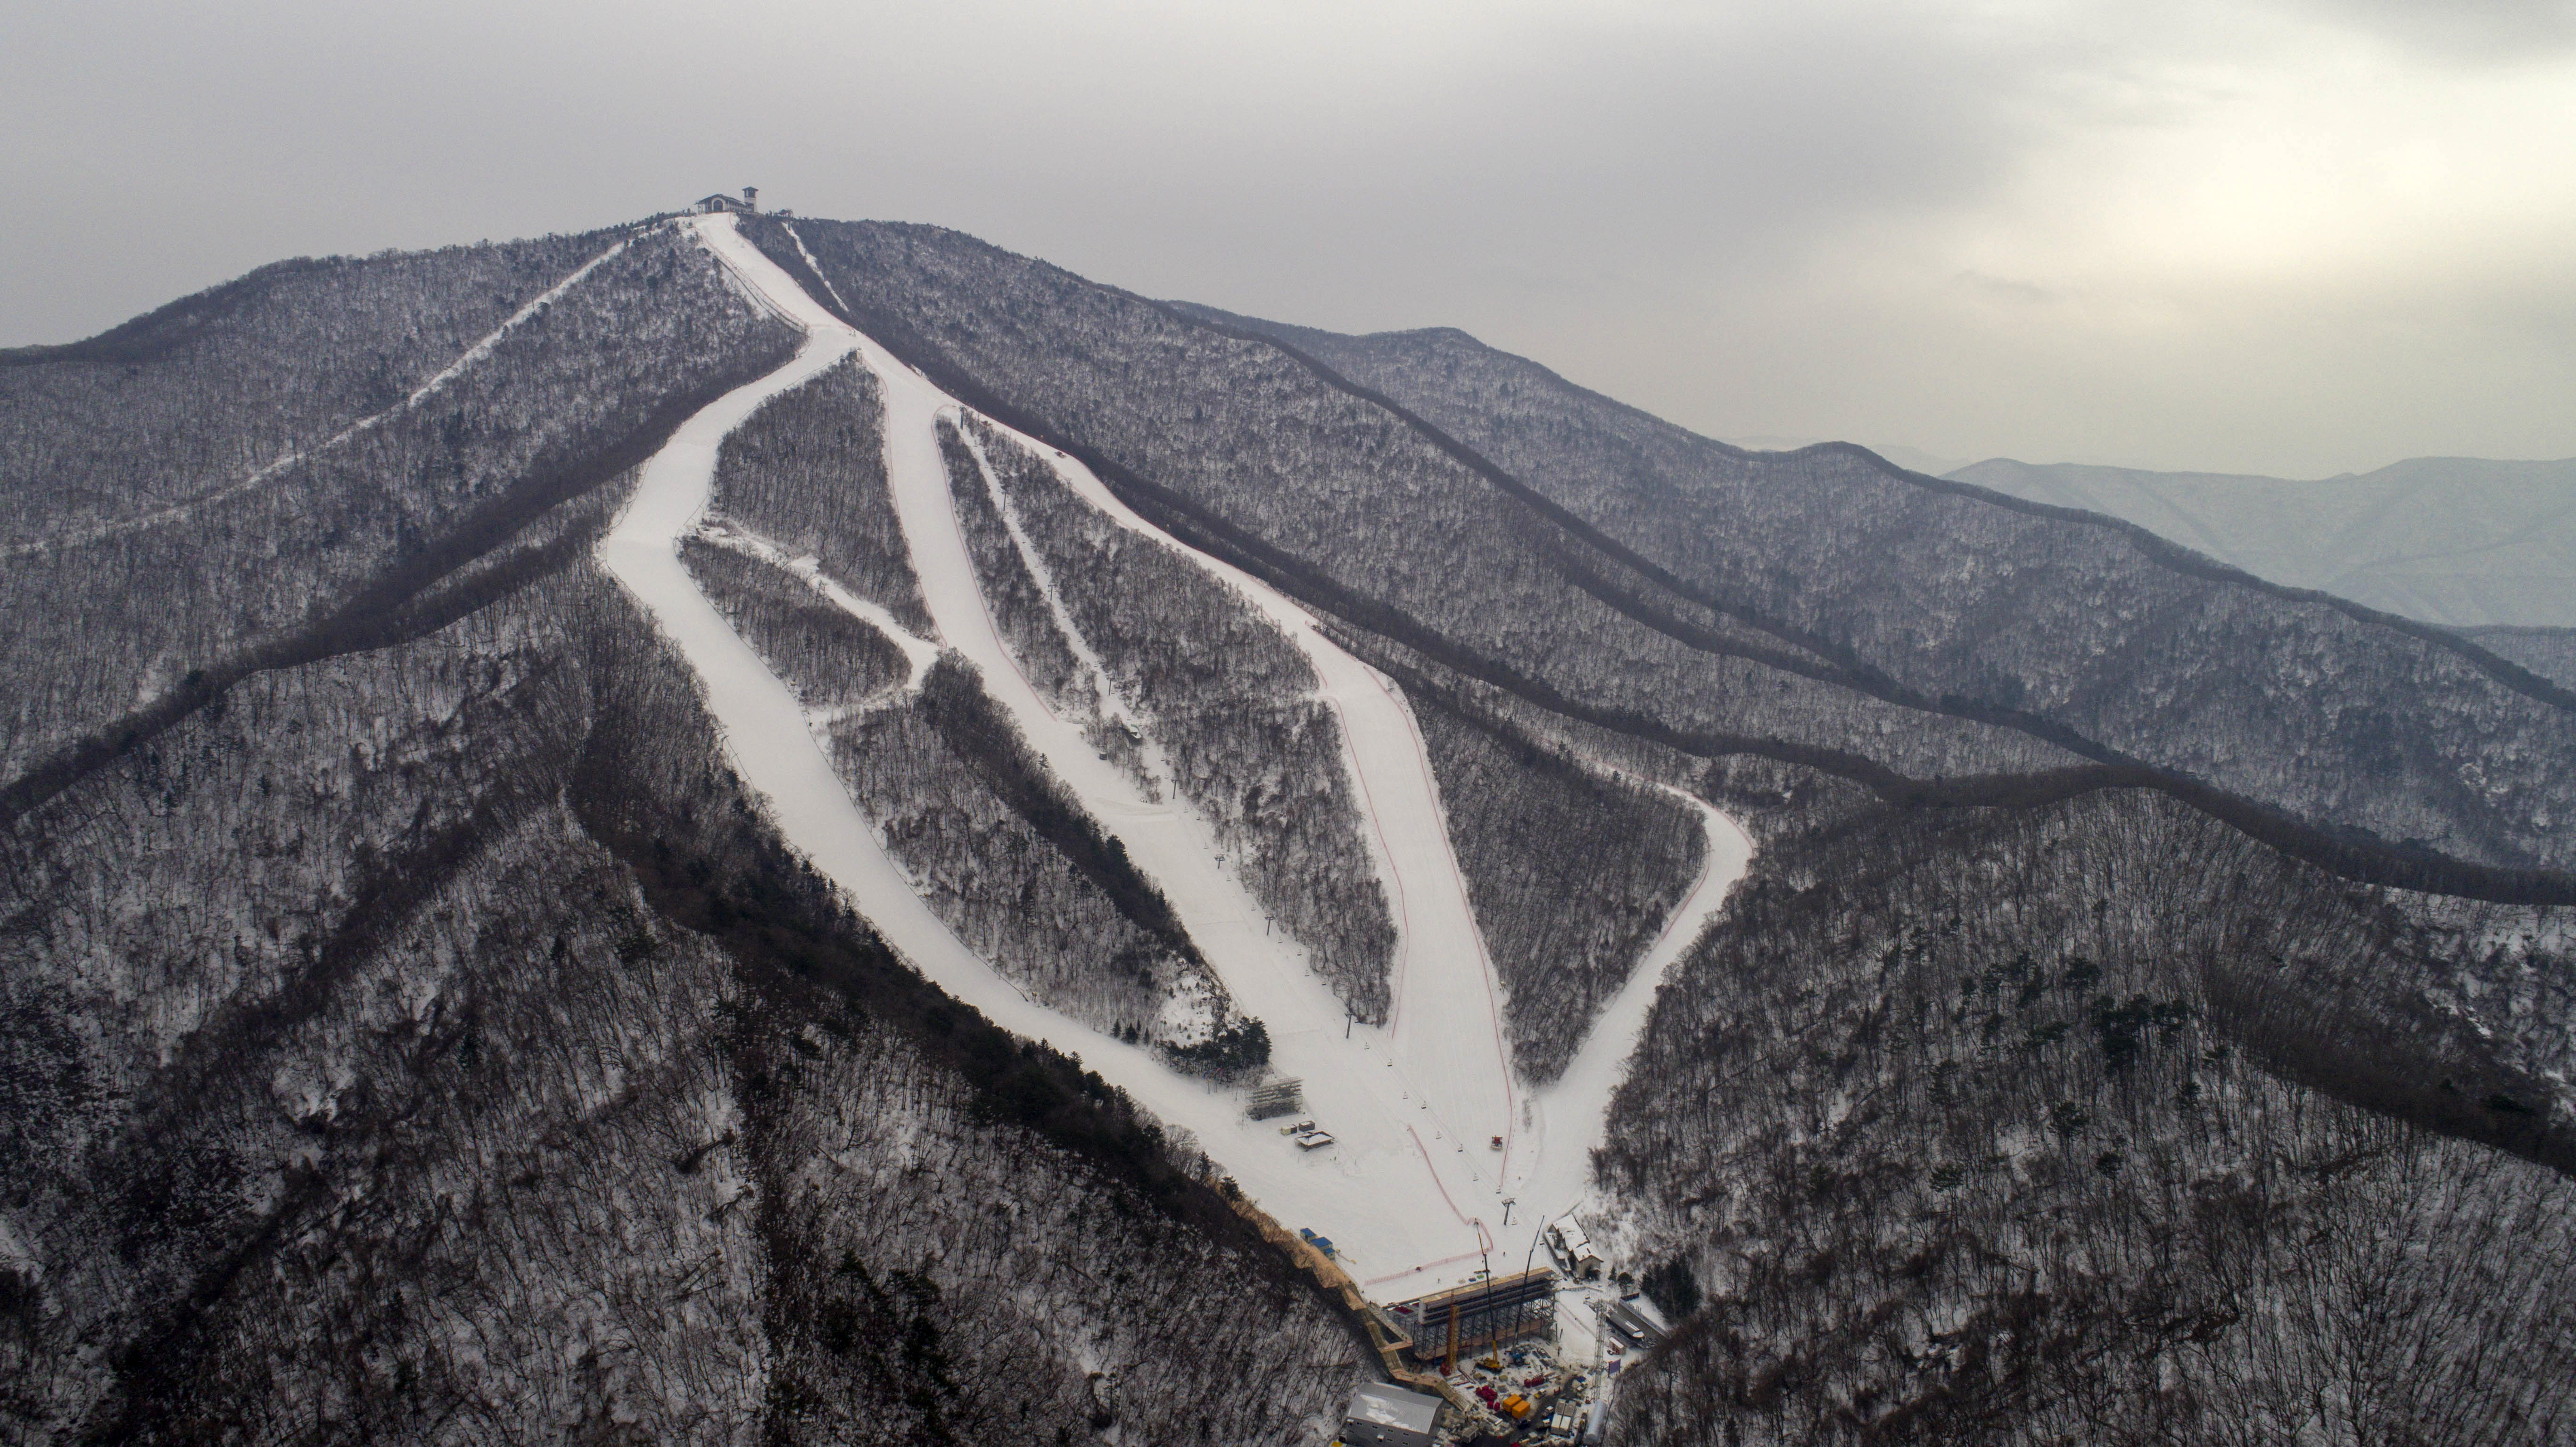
(1491, 1362)
(1525, 1358)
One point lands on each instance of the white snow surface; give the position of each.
(1411, 1194)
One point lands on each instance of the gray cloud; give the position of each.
(2484, 31)
(1896, 220)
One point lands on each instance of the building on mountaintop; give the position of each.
(720, 202)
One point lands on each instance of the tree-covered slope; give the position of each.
(2075, 627)
(430, 1043)
(1243, 448)
(2094, 1123)
(410, 1029)
(166, 589)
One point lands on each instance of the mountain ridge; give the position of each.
(2390, 538)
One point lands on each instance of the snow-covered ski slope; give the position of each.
(1410, 1192)
(1569, 1119)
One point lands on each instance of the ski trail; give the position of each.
(1151, 762)
(180, 511)
(1570, 1117)
(1445, 1088)
(918, 652)
(1409, 1192)
(1383, 1197)
(1464, 1082)
(812, 265)
(1104, 689)
(1445, 1038)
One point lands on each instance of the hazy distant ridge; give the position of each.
(2460, 541)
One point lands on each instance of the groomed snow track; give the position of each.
(1410, 1193)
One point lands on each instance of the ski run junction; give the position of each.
(1412, 1158)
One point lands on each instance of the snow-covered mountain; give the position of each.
(2458, 541)
(711, 831)
(1913, 459)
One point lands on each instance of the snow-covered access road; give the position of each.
(1410, 1192)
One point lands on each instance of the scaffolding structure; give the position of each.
(1465, 1320)
(1278, 1096)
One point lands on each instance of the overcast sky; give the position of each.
(2283, 236)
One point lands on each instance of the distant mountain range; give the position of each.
(2461, 541)
(2467, 542)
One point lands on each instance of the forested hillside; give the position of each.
(180, 585)
(424, 1039)
(1239, 446)
(473, 1051)
(2146, 1017)
(2079, 630)
(2034, 1127)
(2144, 994)
(198, 395)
